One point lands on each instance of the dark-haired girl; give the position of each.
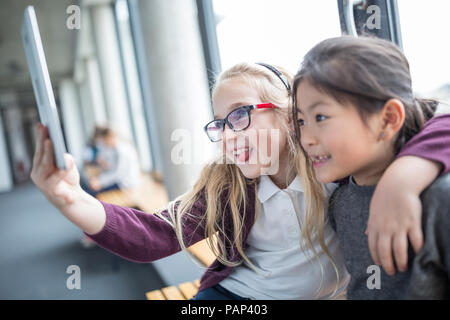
(355, 109)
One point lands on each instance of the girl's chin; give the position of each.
(250, 171)
(323, 177)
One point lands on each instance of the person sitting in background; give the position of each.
(95, 158)
(122, 161)
(91, 152)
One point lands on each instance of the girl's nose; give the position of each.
(228, 134)
(307, 138)
(228, 140)
(232, 139)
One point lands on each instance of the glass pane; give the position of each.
(425, 26)
(239, 119)
(132, 84)
(278, 32)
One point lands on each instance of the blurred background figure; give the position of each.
(93, 163)
(115, 163)
(91, 151)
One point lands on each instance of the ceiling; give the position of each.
(58, 41)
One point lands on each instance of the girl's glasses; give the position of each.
(237, 120)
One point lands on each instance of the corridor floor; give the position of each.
(38, 244)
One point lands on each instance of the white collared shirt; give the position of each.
(273, 246)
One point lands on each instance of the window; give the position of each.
(278, 32)
(425, 27)
(132, 84)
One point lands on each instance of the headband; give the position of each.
(278, 73)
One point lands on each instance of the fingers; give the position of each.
(61, 174)
(400, 246)
(69, 164)
(385, 254)
(416, 238)
(382, 246)
(48, 161)
(39, 147)
(69, 161)
(372, 238)
(37, 170)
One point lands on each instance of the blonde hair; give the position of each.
(219, 178)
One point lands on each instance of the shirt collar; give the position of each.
(267, 188)
(296, 184)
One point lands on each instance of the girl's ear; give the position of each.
(393, 117)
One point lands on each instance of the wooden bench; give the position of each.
(184, 291)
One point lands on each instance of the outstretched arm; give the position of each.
(142, 237)
(129, 233)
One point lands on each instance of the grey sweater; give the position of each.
(428, 273)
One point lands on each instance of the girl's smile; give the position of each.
(239, 149)
(242, 154)
(319, 161)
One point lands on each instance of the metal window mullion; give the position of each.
(394, 22)
(207, 24)
(144, 81)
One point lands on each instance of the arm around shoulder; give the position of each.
(432, 143)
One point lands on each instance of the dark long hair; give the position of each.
(364, 72)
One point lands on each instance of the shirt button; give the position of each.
(292, 230)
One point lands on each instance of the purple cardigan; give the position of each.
(141, 237)
(432, 143)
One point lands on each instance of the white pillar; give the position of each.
(133, 86)
(6, 182)
(14, 126)
(86, 109)
(87, 76)
(71, 116)
(107, 48)
(179, 86)
(95, 90)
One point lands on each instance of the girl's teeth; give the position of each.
(321, 158)
(238, 152)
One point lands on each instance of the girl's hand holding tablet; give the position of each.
(59, 186)
(62, 187)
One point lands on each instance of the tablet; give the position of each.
(42, 86)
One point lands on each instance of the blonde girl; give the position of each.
(258, 206)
